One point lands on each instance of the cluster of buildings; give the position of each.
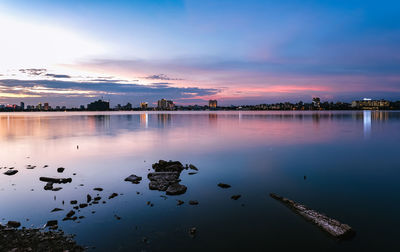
(164, 104)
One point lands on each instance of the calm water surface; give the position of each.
(351, 161)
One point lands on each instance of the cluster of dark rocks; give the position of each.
(166, 177)
(21, 240)
(51, 181)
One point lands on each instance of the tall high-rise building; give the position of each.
(212, 103)
(22, 105)
(165, 104)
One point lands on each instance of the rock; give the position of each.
(113, 195)
(73, 202)
(97, 198)
(134, 179)
(30, 167)
(81, 217)
(193, 167)
(176, 189)
(329, 225)
(170, 166)
(180, 202)
(161, 180)
(236, 197)
(56, 189)
(56, 180)
(13, 224)
(192, 231)
(117, 217)
(192, 173)
(57, 209)
(70, 213)
(35, 239)
(10, 172)
(88, 198)
(193, 202)
(60, 169)
(98, 189)
(76, 207)
(45, 166)
(83, 205)
(222, 185)
(48, 186)
(51, 223)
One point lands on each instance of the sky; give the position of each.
(71, 52)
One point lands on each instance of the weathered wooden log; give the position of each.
(329, 225)
(56, 180)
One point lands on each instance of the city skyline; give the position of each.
(71, 53)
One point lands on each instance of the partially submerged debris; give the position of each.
(329, 225)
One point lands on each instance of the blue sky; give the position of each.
(247, 52)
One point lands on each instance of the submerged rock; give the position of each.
(170, 166)
(51, 223)
(13, 224)
(70, 213)
(48, 186)
(225, 186)
(236, 197)
(113, 195)
(193, 231)
(329, 225)
(134, 179)
(176, 189)
(36, 240)
(11, 172)
(193, 167)
(180, 202)
(193, 202)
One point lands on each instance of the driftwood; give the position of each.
(56, 180)
(329, 225)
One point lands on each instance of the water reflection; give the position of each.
(367, 123)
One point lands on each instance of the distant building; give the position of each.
(39, 106)
(99, 105)
(46, 106)
(316, 101)
(370, 104)
(212, 103)
(22, 106)
(144, 105)
(164, 104)
(82, 107)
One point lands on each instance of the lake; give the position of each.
(345, 164)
